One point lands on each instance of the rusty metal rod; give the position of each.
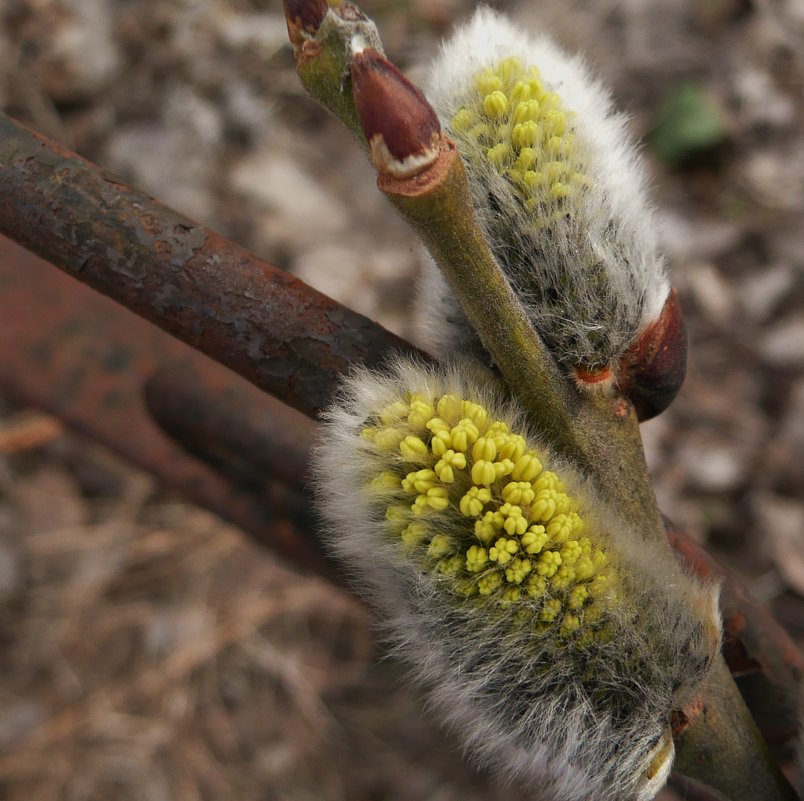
(766, 664)
(230, 425)
(67, 349)
(274, 330)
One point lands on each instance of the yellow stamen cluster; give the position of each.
(526, 134)
(477, 504)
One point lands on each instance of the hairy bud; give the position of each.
(560, 193)
(555, 640)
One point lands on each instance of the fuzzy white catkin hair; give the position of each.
(553, 639)
(559, 190)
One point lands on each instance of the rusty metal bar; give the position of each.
(765, 662)
(274, 330)
(230, 425)
(68, 350)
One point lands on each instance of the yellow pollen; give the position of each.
(528, 136)
(478, 509)
(412, 448)
(495, 104)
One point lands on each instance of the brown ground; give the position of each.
(148, 651)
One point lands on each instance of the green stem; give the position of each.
(600, 434)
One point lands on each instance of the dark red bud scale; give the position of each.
(303, 15)
(399, 124)
(650, 373)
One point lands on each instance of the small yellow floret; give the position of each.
(436, 425)
(560, 527)
(464, 434)
(508, 597)
(448, 463)
(502, 550)
(544, 505)
(485, 531)
(495, 104)
(463, 120)
(474, 500)
(497, 427)
(450, 566)
(440, 546)
(450, 408)
(584, 569)
(484, 448)
(510, 69)
(488, 583)
(500, 154)
(388, 439)
(534, 540)
(560, 190)
(394, 412)
(487, 82)
(548, 564)
(527, 157)
(516, 523)
(482, 132)
(550, 610)
(518, 492)
(551, 100)
(509, 446)
(520, 92)
(483, 473)
(421, 412)
(577, 597)
(419, 481)
(503, 467)
(441, 442)
(474, 412)
(385, 481)
(555, 170)
(526, 468)
(412, 448)
(420, 505)
(526, 134)
(414, 533)
(518, 570)
(396, 513)
(527, 111)
(536, 587)
(599, 586)
(438, 498)
(554, 121)
(564, 577)
(547, 480)
(476, 558)
(571, 552)
(570, 623)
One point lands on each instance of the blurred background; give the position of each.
(148, 651)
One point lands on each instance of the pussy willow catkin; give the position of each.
(555, 640)
(559, 190)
